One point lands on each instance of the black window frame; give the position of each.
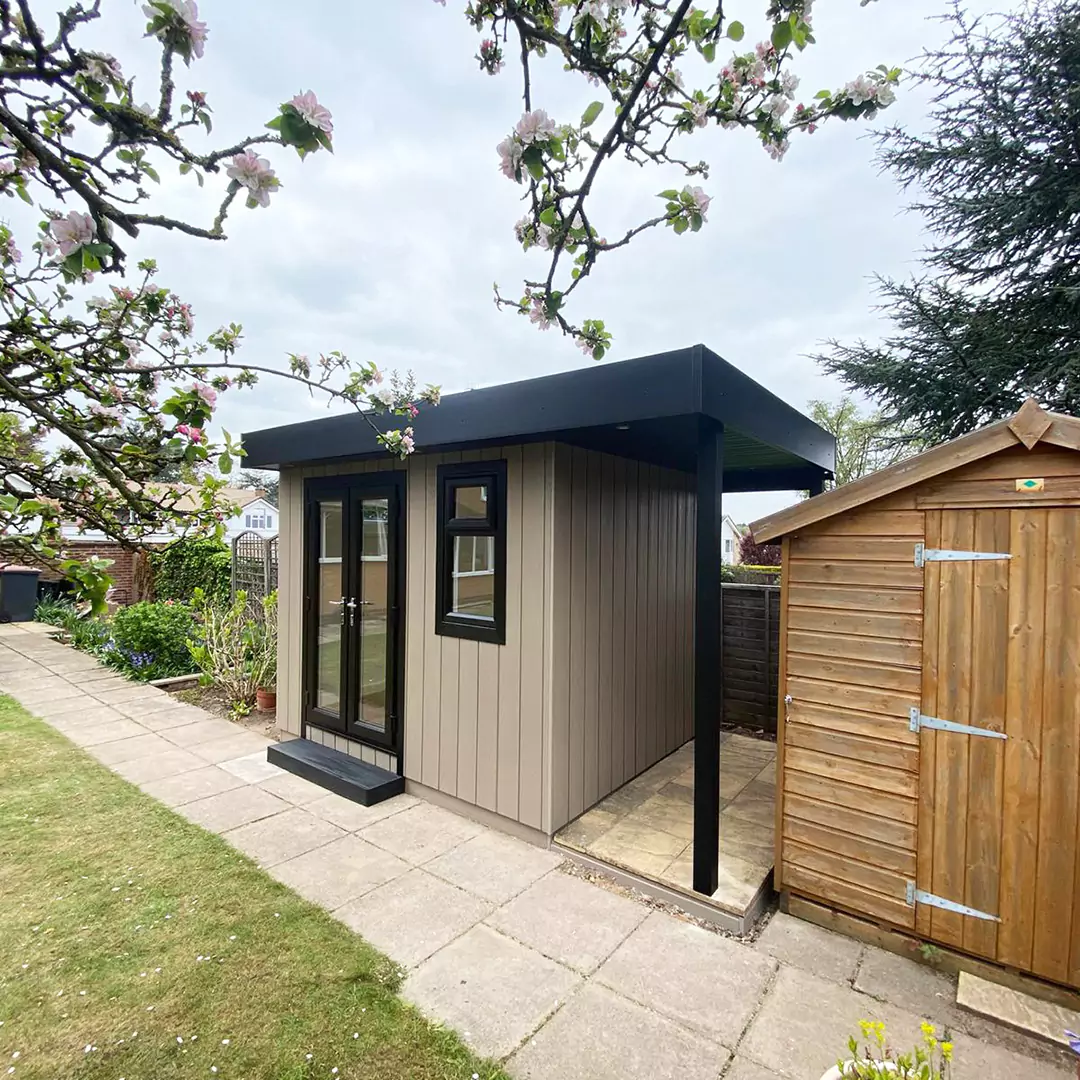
(448, 478)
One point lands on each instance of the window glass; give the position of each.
(375, 517)
(269, 521)
(331, 532)
(471, 502)
(247, 522)
(473, 577)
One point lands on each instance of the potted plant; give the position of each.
(875, 1060)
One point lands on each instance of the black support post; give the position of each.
(707, 658)
(817, 486)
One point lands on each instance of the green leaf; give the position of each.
(185, 168)
(152, 173)
(736, 31)
(591, 113)
(671, 193)
(695, 222)
(225, 464)
(680, 225)
(709, 52)
(781, 36)
(205, 118)
(275, 124)
(548, 216)
(598, 352)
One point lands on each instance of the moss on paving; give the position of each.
(128, 930)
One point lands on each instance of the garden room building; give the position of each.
(929, 713)
(524, 616)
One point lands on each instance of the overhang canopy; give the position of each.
(644, 409)
(1030, 426)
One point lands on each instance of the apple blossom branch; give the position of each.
(633, 50)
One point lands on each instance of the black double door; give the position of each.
(354, 592)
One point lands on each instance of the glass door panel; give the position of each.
(373, 609)
(329, 605)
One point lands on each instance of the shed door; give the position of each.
(998, 819)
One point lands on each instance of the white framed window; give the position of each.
(330, 532)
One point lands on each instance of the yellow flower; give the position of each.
(927, 1029)
(946, 1051)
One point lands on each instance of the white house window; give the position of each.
(262, 519)
(728, 546)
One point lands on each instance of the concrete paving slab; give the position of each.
(190, 786)
(54, 690)
(238, 744)
(254, 768)
(809, 947)
(491, 989)
(570, 920)
(232, 808)
(169, 763)
(412, 916)
(910, 985)
(706, 982)
(339, 871)
(974, 1059)
(110, 731)
(351, 816)
(65, 719)
(742, 1068)
(293, 789)
(128, 692)
(190, 735)
(162, 719)
(421, 833)
(805, 1022)
(1010, 1007)
(599, 1035)
(139, 746)
(494, 866)
(284, 836)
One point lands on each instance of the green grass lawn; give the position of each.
(135, 945)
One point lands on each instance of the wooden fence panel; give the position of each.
(751, 649)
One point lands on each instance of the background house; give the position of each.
(730, 534)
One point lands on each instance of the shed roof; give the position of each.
(1030, 426)
(645, 409)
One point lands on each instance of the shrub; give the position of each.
(237, 650)
(56, 612)
(149, 640)
(89, 634)
(758, 554)
(190, 564)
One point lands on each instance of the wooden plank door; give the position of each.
(998, 818)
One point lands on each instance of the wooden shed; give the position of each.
(929, 714)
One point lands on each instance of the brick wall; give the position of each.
(130, 581)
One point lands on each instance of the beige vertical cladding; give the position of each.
(621, 624)
(593, 684)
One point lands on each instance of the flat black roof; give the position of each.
(645, 409)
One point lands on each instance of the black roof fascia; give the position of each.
(664, 386)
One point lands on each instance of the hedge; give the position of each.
(189, 564)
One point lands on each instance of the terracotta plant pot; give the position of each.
(265, 700)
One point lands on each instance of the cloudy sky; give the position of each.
(388, 250)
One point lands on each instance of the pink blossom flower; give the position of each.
(207, 393)
(48, 245)
(777, 149)
(73, 231)
(700, 112)
(586, 346)
(860, 90)
(254, 173)
(535, 126)
(188, 12)
(407, 442)
(384, 396)
(538, 314)
(195, 434)
(412, 410)
(509, 157)
(312, 113)
(701, 200)
(776, 106)
(521, 229)
(103, 68)
(11, 253)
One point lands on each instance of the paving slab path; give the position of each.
(554, 975)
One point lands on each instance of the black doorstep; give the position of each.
(337, 772)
